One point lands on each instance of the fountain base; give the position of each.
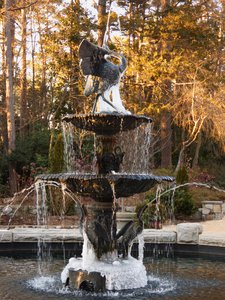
(88, 281)
(118, 274)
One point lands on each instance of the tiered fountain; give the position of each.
(106, 262)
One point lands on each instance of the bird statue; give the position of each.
(103, 76)
(130, 231)
(97, 232)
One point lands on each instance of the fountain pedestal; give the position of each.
(109, 155)
(88, 281)
(100, 227)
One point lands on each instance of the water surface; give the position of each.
(177, 279)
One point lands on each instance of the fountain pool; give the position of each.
(177, 278)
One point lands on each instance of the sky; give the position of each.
(90, 5)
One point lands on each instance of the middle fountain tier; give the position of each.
(105, 248)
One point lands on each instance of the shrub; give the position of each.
(56, 160)
(183, 203)
(182, 175)
(151, 215)
(183, 206)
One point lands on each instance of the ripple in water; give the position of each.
(177, 279)
(52, 284)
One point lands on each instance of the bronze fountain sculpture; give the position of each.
(102, 241)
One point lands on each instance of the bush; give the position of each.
(183, 206)
(151, 215)
(30, 158)
(183, 203)
(32, 148)
(56, 158)
(182, 175)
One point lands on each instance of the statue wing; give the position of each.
(91, 58)
(124, 229)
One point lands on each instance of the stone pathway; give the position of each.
(213, 232)
(215, 226)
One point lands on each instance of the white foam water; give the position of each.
(120, 274)
(160, 285)
(43, 283)
(122, 281)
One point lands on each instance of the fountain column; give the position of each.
(109, 155)
(100, 217)
(100, 228)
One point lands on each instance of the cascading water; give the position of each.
(137, 158)
(69, 153)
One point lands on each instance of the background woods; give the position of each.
(175, 53)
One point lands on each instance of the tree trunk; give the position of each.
(197, 150)
(73, 90)
(102, 21)
(43, 108)
(180, 159)
(165, 138)
(23, 93)
(9, 39)
(165, 122)
(180, 162)
(33, 43)
(3, 118)
(129, 30)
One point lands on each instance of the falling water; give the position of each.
(63, 210)
(140, 159)
(69, 152)
(134, 168)
(136, 158)
(158, 224)
(114, 209)
(43, 253)
(41, 203)
(76, 146)
(171, 207)
(27, 192)
(147, 146)
(141, 244)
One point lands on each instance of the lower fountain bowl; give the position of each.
(100, 187)
(88, 281)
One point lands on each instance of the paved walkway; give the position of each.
(212, 226)
(213, 233)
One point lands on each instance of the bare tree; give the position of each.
(9, 94)
(165, 121)
(101, 21)
(23, 92)
(3, 119)
(190, 112)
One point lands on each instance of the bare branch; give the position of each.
(18, 7)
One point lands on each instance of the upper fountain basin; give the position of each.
(105, 187)
(106, 123)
